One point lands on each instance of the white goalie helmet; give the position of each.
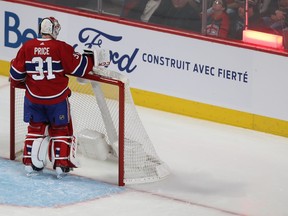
(50, 26)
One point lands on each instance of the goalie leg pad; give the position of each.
(63, 152)
(27, 152)
(39, 152)
(62, 147)
(35, 131)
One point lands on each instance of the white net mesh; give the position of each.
(100, 113)
(20, 125)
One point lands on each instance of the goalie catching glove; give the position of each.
(101, 62)
(101, 56)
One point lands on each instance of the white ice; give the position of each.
(216, 170)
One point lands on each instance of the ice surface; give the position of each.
(217, 170)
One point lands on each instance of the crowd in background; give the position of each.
(223, 18)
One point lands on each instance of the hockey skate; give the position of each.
(62, 171)
(31, 170)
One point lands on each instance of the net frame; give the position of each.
(132, 141)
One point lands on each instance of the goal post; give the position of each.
(101, 105)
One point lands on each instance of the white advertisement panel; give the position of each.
(202, 71)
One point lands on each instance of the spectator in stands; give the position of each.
(177, 14)
(267, 7)
(255, 21)
(232, 6)
(218, 22)
(150, 8)
(278, 20)
(196, 4)
(133, 9)
(139, 9)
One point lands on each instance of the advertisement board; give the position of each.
(205, 72)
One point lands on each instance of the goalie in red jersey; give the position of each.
(41, 67)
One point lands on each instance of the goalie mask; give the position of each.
(50, 26)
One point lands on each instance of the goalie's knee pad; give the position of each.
(36, 134)
(62, 148)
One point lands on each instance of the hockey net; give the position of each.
(103, 111)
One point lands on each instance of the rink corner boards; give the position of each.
(199, 110)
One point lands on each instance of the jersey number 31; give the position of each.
(40, 68)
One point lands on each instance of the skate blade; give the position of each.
(62, 175)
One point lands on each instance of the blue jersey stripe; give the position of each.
(80, 70)
(56, 66)
(16, 75)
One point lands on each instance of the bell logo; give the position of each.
(13, 36)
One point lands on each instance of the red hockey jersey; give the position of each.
(42, 64)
